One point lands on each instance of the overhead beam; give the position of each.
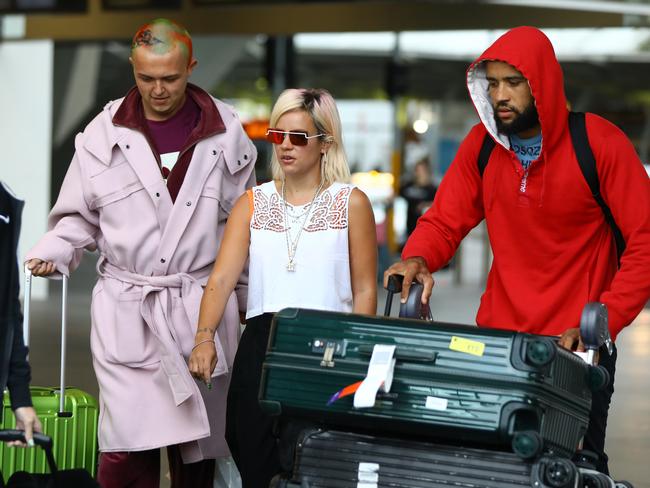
(290, 18)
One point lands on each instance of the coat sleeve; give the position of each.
(72, 226)
(625, 187)
(241, 288)
(456, 209)
(19, 370)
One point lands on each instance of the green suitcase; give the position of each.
(71, 421)
(520, 390)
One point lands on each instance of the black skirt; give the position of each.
(249, 431)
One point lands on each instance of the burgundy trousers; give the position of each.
(141, 469)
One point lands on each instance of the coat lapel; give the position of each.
(205, 157)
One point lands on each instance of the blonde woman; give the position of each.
(310, 238)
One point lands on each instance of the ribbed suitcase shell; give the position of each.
(489, 397)
(75, 437)
(331, 459)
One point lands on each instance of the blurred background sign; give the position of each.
(34, 6)
(141, 4)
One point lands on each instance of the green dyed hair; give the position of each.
(162, 35)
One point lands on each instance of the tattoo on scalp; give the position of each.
(146, 38)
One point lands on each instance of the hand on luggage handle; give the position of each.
(594, 329)
(64, 324)
(41, 440)
(413, 307)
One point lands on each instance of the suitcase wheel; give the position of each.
(585, 459)
(540, 352)
(560, 473)
(597, 378)
(624, 484)
(527, 444)
(596, 480)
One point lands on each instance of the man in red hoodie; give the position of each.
(553, 249)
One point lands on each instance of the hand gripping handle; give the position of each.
(413, 308)
(39, 439)
(594, 328)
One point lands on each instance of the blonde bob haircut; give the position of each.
(320, 106)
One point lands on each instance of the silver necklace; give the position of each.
(291, 244)
(295, 217)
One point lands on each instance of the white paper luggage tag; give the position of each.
(380, 375)
(368, 475)
(583, 355)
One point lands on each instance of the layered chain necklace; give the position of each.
(292, 244)
(293, 216)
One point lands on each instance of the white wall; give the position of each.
(25, 134)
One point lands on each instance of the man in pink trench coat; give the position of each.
(157, 226)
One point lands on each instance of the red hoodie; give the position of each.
(553, 250)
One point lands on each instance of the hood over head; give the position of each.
(532, 54)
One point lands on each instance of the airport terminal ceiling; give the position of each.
(103, 20)
(111, 19)
(610, 85)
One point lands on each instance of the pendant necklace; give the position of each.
(291, 244)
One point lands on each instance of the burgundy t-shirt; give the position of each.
(170, 136)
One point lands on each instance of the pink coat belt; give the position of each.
(155, 296)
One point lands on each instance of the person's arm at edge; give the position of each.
(625, 187)
(19, 371)
(363, 253)
(227, 269)
(18, 385)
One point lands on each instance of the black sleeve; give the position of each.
(19, 370)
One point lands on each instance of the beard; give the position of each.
(523, 121)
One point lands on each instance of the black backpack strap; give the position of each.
(484, 153)
(587, 162)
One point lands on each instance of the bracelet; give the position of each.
(204, 340)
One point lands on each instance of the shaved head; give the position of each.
(161, 36)
(161, 56)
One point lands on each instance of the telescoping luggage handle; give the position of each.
(41, 440)
(64, 324)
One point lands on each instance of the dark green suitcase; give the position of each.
(492, 387)
(331, 459)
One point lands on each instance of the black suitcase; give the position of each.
(345, 460)
(68, 478)
(477, 386)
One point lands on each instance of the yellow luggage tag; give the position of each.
(467, 346)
